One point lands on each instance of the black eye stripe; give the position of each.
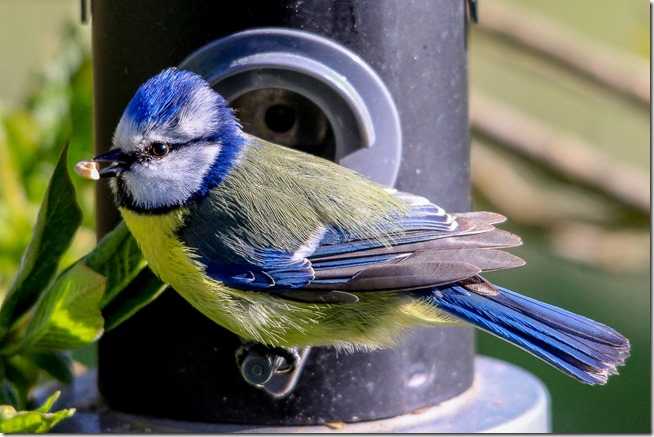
(149, 153)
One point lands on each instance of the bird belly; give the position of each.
(375, 321)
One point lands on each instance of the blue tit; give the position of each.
(287, 249)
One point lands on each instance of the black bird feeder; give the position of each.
(376, 85)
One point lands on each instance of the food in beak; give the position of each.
(88, 170)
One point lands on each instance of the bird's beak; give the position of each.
(119, 163)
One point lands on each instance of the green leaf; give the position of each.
(68, 316)
(22, 373)
(47, 405)
(118, 258)
(58, 219)
(130, 283)
(140, 292)
(39, 420)
(57, 363)
(8, 395)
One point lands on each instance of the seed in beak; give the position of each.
(88, 170)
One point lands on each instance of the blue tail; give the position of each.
(582, 348)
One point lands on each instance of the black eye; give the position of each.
(159, 149)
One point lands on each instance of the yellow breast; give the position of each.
(156, 237)
(374, 321)
(175, 264)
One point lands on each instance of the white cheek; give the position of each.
(171, 180)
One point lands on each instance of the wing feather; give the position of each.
(424, 248)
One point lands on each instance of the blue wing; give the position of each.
(432, 248)
(278, 270)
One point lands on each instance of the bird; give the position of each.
(289, 250)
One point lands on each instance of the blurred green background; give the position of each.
(558, 149)
(586, 241)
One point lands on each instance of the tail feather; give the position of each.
(582, 348)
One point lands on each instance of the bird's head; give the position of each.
(176, 140)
